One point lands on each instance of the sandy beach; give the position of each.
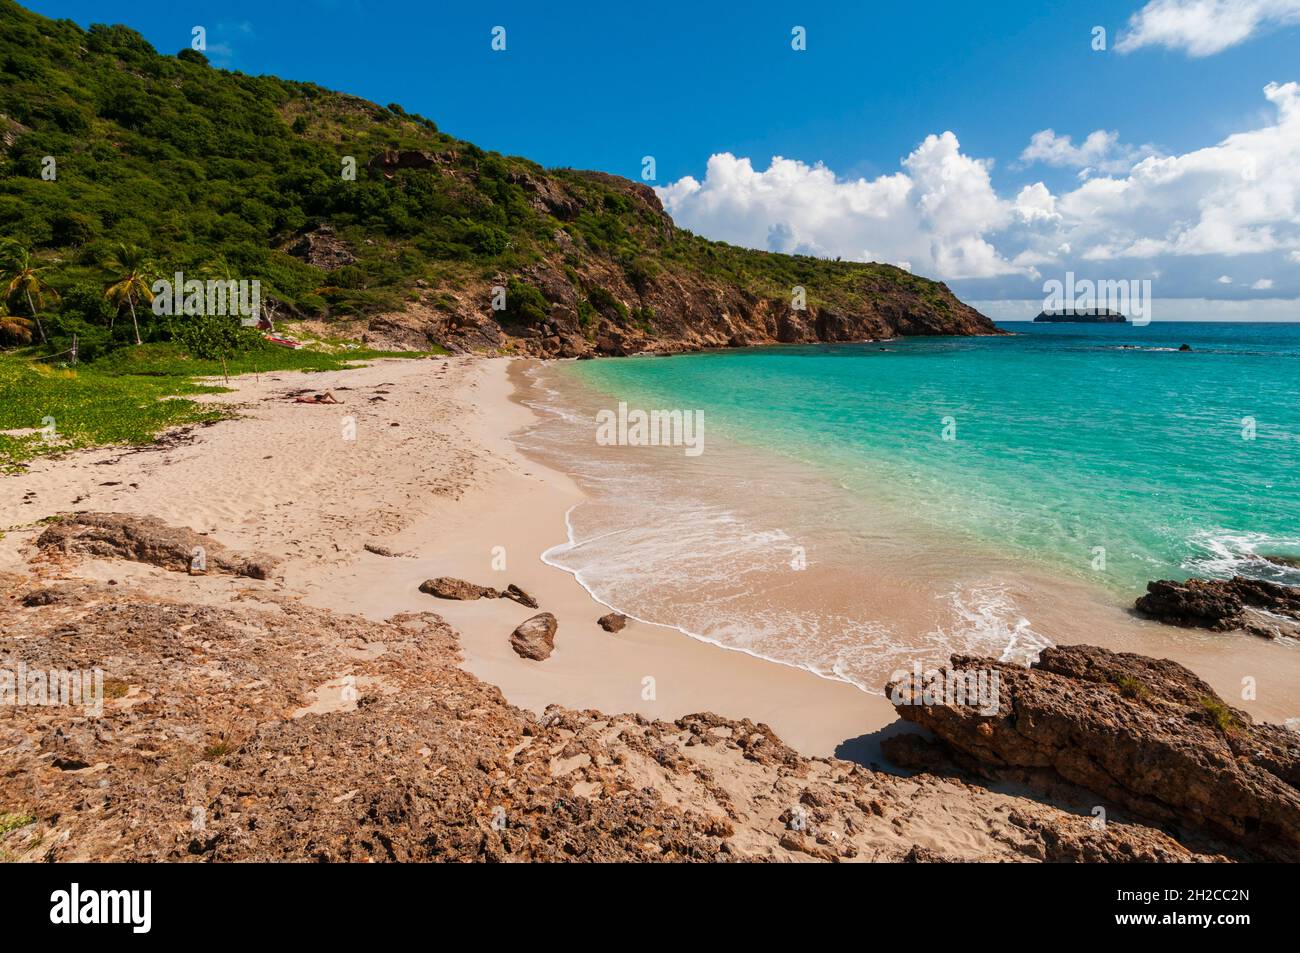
(416, 458)
(432, 475)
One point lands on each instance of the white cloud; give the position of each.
(941, 213)
(1204, 27)
(934, 214)
(1225, 279)
(1240, 196)
(1264, 284)
(1100, 151)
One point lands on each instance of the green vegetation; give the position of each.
(12, 822)
(165, 164)
(47, 410)
(129, 396)
(1223, 717)
(1130, 687)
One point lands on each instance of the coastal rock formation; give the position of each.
(147, 539)
(683, 312)
(445, 587)
(1253, 605)
(598, 306)
(1286, 562)
(535, 638)
(1142, 733)
(203, 761)
(612, 622)
(518, 595)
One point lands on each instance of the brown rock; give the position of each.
(322, 248)
(460, 775)
(535, 637)
(612, 622)
(391, 160)
(1220, 605)
(1143, 733)
(518, 595)
(147, 539)
(1288, 562)
(445, 587)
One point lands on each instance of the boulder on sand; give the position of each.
(535, 638)
(445, 587)
(613, 622)
(147, 539)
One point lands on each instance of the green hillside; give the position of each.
(217, 173)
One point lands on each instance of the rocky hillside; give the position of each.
(372, 220)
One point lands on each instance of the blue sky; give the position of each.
(906, 127)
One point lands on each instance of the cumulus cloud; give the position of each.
(1100, 151)
(1264, 284)
(1204, 27)
(934, 214)
(1240, 196)
(941, 213)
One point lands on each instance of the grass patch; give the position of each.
(130, 396)
(217, 751)
(11, 822)
(1223, 717)
(51, 410)
(168, 360)
(1130, 687)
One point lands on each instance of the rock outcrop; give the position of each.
(1256, 606)
(322, 248)
(1141, 733)
(535, 638)
(206, 761)
(147, 539)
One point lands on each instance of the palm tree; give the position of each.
(26, 278)
(133, 271)
(13, 328)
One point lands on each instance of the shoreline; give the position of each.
(522, 506)
(1042, 607)
(434, 475)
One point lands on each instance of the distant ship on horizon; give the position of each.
(1082, 316)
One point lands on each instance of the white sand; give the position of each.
(446, 486)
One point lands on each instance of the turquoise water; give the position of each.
(1099, 451)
